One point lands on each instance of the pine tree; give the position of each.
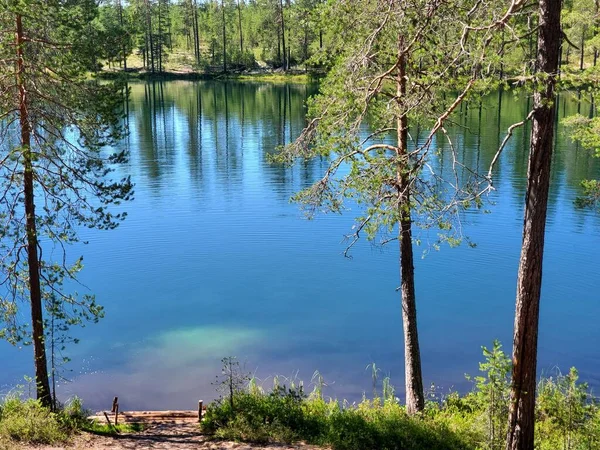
(398, 64)
(54, 177)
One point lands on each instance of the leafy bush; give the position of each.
(241, 60)
(28, 421)
(568, 416)
(492, 395)
(287, 415)
(388, 427)
(278, 416)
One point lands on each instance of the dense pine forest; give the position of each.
(385, 139)
(234, 35)
(216, 35)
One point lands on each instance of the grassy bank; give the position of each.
(26, 422)
(372, 424)
(181, 67)
(458, 423)
(567, 415)
(263, 77)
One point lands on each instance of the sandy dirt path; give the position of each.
(163, 434)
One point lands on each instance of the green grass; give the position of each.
(111, 430)
(275, 77)
(27, 422)
(287, 416)
(180, 65)
(266, 77)
(456, 423)
(567, 414)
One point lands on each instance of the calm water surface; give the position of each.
(214, 261)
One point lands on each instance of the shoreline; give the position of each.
(267, 76)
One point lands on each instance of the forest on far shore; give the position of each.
(248, 35)
(390, 67)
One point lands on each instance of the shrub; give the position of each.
(278, 416)
(568, 416)
(28, 421)
(388, 427)
(287, 415)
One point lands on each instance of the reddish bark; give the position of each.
(35, 293)
(522, 407)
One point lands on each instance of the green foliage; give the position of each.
(112, 29)
(241, 60)
(277, 416)
(357, 119)
(232, 380)
(590, 196)
(29, 422)
(26, 421)
(286, 415)
(72, 415)
(586, 131)
(251, 30)
(580, 23)
(492, 393)
(567, 413)
(70, 122)
(568, 416)
(389, 427)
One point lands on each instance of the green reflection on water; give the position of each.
(181, 347)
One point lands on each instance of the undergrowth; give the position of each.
(26, 421)
(567, 417)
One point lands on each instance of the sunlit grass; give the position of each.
(105, 429)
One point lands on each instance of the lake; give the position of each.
(214, 261)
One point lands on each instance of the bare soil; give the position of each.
(174, 430)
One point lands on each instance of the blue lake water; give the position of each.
(213, 260)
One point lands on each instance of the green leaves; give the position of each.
(70, 121)
(586, 131)
(567, 408)
(355, 121)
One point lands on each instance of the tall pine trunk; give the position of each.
(159, 43)
(123, 46)
(239, 8)
(282, 20)
(415, 401)
(278, 44)
(35, 292)
(196, 31)
(521, 423)
(224, 38)
(596, 26)
(582, 49)
(149, 38)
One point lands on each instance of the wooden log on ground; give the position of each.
(148, 416)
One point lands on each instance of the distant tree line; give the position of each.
(237, 34)
(227, 34)
(392, 65)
